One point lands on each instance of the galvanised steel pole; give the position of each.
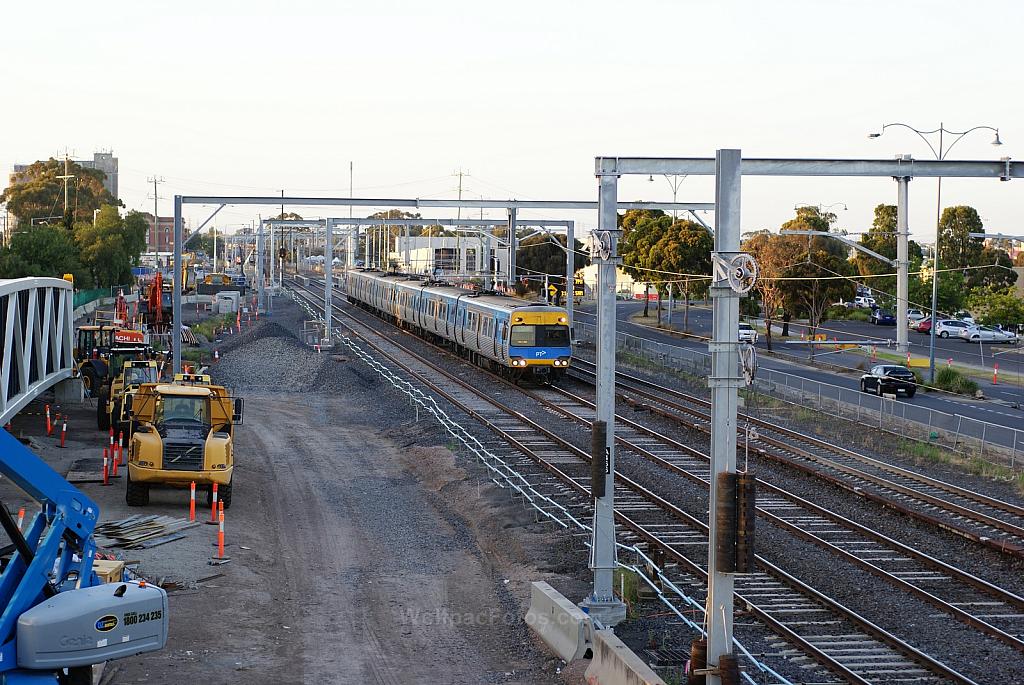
(935, 279)
(724, 382)
(902, 265)
(176, 296)
(602, 603)
(570, 268)
(328, 280)
(259, 268)
(512, 216)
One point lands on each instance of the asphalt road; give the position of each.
(1002, 412)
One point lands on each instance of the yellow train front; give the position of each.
(500, 333)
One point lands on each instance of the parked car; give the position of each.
(747, 334)
(965, 317)
(988, 334)
(923, 325)
(881, 317)
(863, 301)
(914, 315)
(889, 379)
(947, 327)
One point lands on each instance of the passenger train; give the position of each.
(499, 333)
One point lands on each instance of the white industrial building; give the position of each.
(448, 255)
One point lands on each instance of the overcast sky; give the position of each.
(257, 96)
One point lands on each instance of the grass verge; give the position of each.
(930, 454)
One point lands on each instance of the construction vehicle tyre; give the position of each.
(224, 493)
(102, 417)
(136, 494)
(89, 380)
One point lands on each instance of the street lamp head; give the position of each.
(996, 141)
(651, 178)
(874, 135)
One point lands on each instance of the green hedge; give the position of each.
(954, 381)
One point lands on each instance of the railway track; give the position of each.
(985, 520)
(849, 646)
(974, 601)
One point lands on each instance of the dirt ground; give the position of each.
(361, 551)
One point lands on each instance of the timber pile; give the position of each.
(141, 531)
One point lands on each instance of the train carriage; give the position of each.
(498, 332)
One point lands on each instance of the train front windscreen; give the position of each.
(540, 336)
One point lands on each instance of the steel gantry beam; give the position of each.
(424, 203)
(510, 205)
(36, 337)
(728, 168)
(1003, 169)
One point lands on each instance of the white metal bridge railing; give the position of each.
(36, 336)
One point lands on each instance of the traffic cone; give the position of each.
(213, 507)
(106, 467)
(63, 432)
(220, 532)
(192, 503)
(21, 517)
(49, 424)
(995, 374)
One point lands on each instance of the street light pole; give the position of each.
(940, 154)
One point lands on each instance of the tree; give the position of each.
(775, 254)
(684, 248)
(815, 279)
(997, 306)
(545, 254)
(287, 216)
(882, 238)
(642, 229)
(109, 246)
(951, 296)
(37, 192)
(1019, 259)
(996, 270)
(43, 251)
(957, 249)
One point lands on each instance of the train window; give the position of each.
(540, 336)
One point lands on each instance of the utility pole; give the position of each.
(154, 179)
(66, 177)
(602, 603)
(328, 281)
(724, 383)
(902, 265)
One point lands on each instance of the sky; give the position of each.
(241, 98)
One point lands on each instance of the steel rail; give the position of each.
(909, 652)
(1013, 601)
(1001, 544)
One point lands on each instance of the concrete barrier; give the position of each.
(615, 664)
(562, 625)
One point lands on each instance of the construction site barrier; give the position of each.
(615, 664)
(562, 625)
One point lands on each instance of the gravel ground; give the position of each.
(362, 549)
(917, 623)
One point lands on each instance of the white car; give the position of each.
(988, 334)
(914, 315)
(965, 317)
(747, 334)
(948, 327)
(861, 301)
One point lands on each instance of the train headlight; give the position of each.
(518, 361)
(562, 361)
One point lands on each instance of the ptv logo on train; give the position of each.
(540, 353)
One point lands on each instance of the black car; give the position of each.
(881, 317)
(889, 379)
